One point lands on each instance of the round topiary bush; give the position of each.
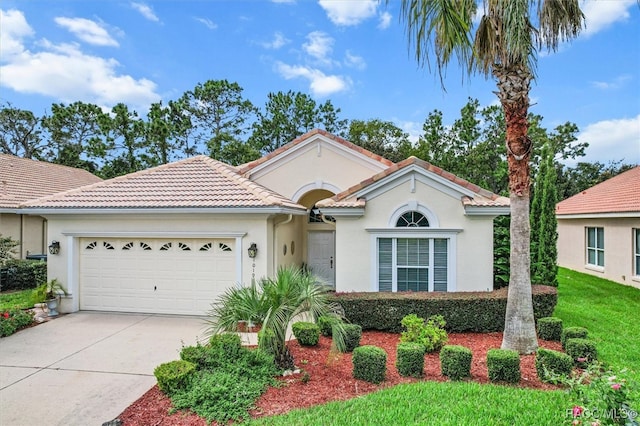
(174, 375)
(582, 351)
(503, 365)
(455, 361)
(410, 359)
(573, 333)
(550, 328)
(550, 364)
(326, 323)
(369, 363)
(307, 333)
(352, 335)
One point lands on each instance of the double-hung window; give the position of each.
(636, 252)
(595, 246)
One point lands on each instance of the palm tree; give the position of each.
(275, 302)
(504, 46)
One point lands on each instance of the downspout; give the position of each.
(275, 237)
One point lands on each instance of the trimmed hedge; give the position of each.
(463, 311)
(307, 333)
(550, 328)
(369, 363)
(551, 363)
(455, 361)
(174, 376)
(582, 351)
(503, 365)
(573, 333)
(410, 359)
(352, 335)
(326, 322)
(20, 274)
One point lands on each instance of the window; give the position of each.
(595, 247)
(412, 219)
(636, 252)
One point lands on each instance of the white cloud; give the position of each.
(354, 61)
(612, 140)
(207, 23)
(349, 12)
(413, 128)
(617, 83)
(319, 46)
(64, 72)
(13, 29)
(601, 14)
(278, 41)
(320, 84)
(384, 20)
(87, 30)
(146, 11)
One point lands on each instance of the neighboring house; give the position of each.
(172, 238)
(599, 229)
(23, 179)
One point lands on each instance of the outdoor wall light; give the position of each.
(253, 250)
(54, 247)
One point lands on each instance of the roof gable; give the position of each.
(620, 194)
(23, 179)
(303, 141)
(199, 182)
(470, 194)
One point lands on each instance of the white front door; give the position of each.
(321, 255)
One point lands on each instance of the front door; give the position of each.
(321, 255)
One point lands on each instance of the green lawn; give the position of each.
(608, 310)
(16, 299)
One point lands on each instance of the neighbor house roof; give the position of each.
(620, 194)
(303, 138)
(198, 182)
(23, 179)
(480, 198)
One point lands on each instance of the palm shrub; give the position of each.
(275, 302)
(369, 363)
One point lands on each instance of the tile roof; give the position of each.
(482, 198)
(300, 139)
(619, 194)
(197, 182)
(23, 179)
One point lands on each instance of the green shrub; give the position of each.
(174, 376)
(23, 274)
(550, 328)
(463, 311)
(13, 320)
(326, 323)
(267, 340)
(369, 363)
(455, 362)
(195, 354)
(307, 333)
(582, 351)
(352, 335)
(503, 365)
(410, 359)
(552, 364)
(431, 334)
(573, 333)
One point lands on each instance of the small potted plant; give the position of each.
(49, 293)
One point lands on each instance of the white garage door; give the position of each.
(171, 276)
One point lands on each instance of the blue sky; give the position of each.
(353, 53)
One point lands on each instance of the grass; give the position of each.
(607, 309)
(16, 299)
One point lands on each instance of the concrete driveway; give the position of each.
(86, 368)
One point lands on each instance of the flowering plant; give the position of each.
(603, 397)
(12, 320)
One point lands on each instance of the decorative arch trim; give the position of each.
(413, 205)
(314, 185)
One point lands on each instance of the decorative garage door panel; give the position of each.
(171, 276)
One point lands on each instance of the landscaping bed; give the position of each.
(330, 379)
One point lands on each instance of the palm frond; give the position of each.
(560, 20)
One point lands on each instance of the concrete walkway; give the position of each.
(86, 368)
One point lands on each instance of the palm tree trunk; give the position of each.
(513, 85)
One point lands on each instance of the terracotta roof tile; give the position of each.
(619, 194)
(244, 168)
(482, 196)
(23, 179)
(197, 182)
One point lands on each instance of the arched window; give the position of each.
(412, 219)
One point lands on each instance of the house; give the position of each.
(172, 238)
(23, 179)
(599, 229)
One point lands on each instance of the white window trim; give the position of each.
(413, 205)
(450, 235)
(636, 254)
(593, 266)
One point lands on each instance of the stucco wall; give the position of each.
(618, 247)
(473, 238)
(67, 229)
(28, 230)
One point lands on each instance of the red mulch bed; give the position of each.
(331, 379)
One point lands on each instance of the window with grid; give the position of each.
(636, 252)
(595, 246)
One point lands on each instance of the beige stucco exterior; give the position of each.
(618, 247)
(29, 231)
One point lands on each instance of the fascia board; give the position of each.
(487, 211)
(172, 210)
(342, 212)
(152, 234)
(613, 215)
